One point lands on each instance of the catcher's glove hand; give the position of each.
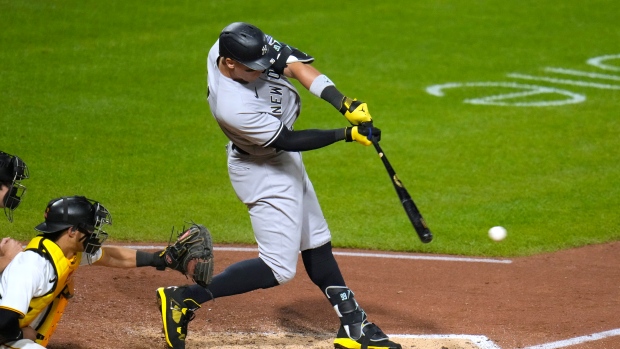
(192, 254)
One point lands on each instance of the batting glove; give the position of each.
(355, 111)
(362, 134)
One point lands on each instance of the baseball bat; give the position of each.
(419, 224)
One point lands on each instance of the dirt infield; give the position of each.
(527, 302)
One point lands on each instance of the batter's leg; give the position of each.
(355, 331)
(241, 277)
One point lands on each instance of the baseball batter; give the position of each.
(256, 106)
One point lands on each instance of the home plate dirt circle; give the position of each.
(453, 303)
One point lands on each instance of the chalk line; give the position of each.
(352, 254)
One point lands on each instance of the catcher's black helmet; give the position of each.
(248, 45)
(87, 215)
(12, 171)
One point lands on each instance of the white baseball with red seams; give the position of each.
(498, 233)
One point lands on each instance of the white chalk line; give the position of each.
(564, 81)
(598, 62)
(582, 73)
(577, 340)
(481, 341)
(504, 99)
(352, 254)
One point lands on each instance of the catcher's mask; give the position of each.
(12, 171)
(86, 215)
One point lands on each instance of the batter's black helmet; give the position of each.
(248, 45)
(12, 171)
(86, 215)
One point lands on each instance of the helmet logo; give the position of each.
(46, 211)
(265, 49)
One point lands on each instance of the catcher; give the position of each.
(37, 284)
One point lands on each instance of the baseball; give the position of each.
(497, 233)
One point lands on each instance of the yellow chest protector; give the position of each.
(58, 295)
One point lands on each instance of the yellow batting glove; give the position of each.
(355, 111)
(362, 134)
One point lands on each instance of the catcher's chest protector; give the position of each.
(64, 270)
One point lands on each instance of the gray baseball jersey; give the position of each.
(284, 210)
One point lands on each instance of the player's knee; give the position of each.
(284, 275)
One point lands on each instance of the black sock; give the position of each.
(241, 277)
(322, 267)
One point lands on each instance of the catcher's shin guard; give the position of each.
(176, 313)
(355, 332)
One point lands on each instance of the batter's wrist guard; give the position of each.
(348, 136)
(348, 104)
(333, 96)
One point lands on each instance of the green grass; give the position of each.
(108, 100)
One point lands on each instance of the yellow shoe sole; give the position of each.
(348, 343)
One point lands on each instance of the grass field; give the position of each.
(108, 100)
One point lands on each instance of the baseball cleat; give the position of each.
(176, 313)
(378, 339)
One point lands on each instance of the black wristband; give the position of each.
(348, 137)
(334, 97)
(147, 259)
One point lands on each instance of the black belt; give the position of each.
(235, 147)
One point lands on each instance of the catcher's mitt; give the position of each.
(192, 254)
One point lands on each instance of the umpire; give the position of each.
(12, 171)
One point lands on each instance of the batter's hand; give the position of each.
(362, 134)
(355, 111)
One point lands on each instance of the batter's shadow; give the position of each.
(315, 316)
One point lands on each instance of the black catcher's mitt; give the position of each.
(192, 254)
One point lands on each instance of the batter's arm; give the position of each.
(314, 139)
(304, 73)
(321, 86)
(307, 139)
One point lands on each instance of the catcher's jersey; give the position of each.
(251, 115)
(29, 275)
